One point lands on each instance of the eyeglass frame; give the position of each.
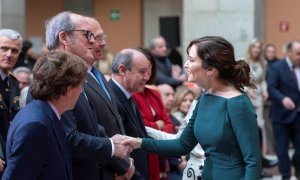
(89, 34)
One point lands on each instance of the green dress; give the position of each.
(227, 131)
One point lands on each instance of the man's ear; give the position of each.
(122, 69)
(63, 37)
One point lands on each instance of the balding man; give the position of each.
(166, 73)
(104, 104)
(130, 72)
(93, 154)
(284, 90)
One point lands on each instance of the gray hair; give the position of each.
(12, 35)
(58, 23)
(152, 43)
(21, 69)
(124, 58)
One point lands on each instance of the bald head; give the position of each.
(126, 57)
(100, 38)
(158, 47)
(293, 52)
(131, 69)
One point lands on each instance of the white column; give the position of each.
(12, 15)
(232, 19)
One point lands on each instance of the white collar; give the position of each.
(54, 109)
(127, 94)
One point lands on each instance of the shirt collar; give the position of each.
(289, 62)
(127, 94)
(3, 75)
(54, 109)
(89, 68)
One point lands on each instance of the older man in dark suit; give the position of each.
(130, 72)
(36, 143)
(10, 47)
(92, 151)
(284, 90)
(104, 103)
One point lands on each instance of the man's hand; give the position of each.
(128, 174)
(118, 138)
(176, 70)
(288, 103)
(2, 163)
(120, 150)
(182, 78)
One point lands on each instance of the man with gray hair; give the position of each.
(130, 71)
(92, 152)
(10, 46)
(23, 75)
(166, 72)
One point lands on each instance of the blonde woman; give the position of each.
(258, 70)
(182, 103)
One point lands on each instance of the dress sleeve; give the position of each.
(176, 147)
(244, 125)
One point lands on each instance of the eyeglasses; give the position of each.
(89, 35)
(14, 51)
(101, 38)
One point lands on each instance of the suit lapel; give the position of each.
(93, 84)
(112, 105)
(59, 134)
(129, 109)
(289, 75)
(91, 111)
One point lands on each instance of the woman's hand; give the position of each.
(134, 143)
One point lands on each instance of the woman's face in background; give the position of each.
(186, 103)
(255, 50)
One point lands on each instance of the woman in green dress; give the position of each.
(224, 120)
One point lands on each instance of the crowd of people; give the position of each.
(77, 112)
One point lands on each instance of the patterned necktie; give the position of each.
(98, 77)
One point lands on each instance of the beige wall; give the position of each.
(127, 31)
(37, 12)
(277, 11)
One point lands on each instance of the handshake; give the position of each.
(125, 144)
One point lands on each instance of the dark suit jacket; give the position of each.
(108, 116)
(164, 72)
(281, 84)
(8, 113)
(37, 146)
(134, 126)
(89, 147)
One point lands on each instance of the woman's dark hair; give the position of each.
(151, 58)
(217, 52)
(54, 73)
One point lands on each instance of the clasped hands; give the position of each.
(125, 144)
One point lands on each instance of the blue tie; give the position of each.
(98, 77)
